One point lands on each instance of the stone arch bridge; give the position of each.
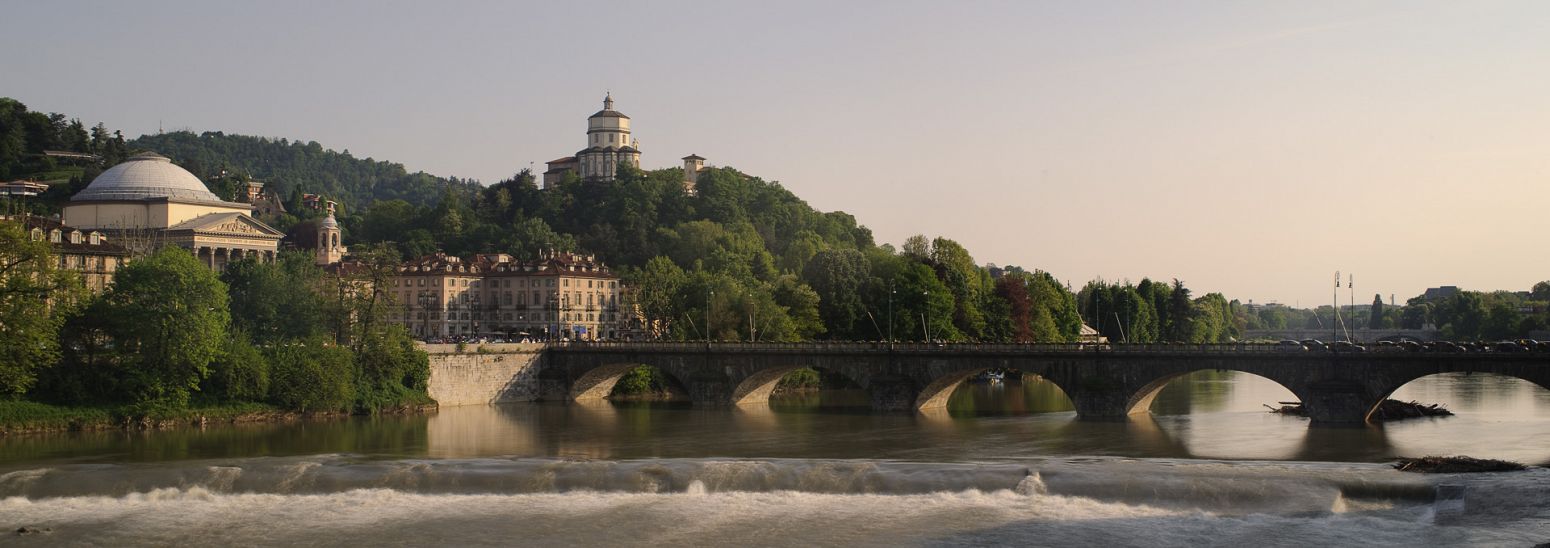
(1102, 381)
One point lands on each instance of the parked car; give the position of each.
(1445, 346)
(1290, 346)
(1314, 345)
(1411, 346)
(1346, 346)
(1508, 346)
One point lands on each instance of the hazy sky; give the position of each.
(1251, 148)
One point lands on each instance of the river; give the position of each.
(1005, 463)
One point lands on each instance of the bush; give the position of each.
(239, 372)
(805, 378)
(311, 376)
(391, 370)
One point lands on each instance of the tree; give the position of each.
(1181, 314)
(1541, 291)
(1376, 319)
(29, 281)
(278, 301)
(837, 276)
(166, 316)
(658, 289)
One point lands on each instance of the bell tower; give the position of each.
(330, 249)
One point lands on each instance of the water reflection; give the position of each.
(1204, 415)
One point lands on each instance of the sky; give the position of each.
(1246, 148)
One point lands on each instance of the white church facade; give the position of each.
(609, 144)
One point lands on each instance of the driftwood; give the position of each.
(1386, 411)
(1455, 465)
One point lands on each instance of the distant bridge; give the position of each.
(1102, 381)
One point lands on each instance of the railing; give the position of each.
(987, 348)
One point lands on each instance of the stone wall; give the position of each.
(484, 373)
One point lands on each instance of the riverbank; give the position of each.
(25, 417)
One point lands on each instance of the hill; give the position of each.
(288, 167)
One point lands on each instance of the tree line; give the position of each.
(169, 333)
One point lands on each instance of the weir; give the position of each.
(1104, 382)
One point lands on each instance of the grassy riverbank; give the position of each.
(19, 417)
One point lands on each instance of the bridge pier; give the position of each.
(890, 393)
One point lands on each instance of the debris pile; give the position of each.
(1455, 465)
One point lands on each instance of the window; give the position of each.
(565, 282)
(54, 236)
(96, 238)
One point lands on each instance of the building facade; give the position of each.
(557, 295)
(147, 202)
(86, 252)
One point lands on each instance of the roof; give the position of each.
(146, 176)
(605, 113)
(692, 157)
(102, 248)
(565, 160)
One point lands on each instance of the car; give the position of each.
(1315, 345)
(1290, 346)
(1346, 346)
(1445, 347)
(1508, 346)
(1411, 346)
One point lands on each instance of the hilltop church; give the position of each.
(609, 144)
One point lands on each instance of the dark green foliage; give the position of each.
(643, 381)
(311, 376)
(391, 370)
(277, 301)
(805, 378)
(239, 373)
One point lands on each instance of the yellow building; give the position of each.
(86, 252)
(557, 295)
(147, 202)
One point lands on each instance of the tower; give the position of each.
(693, 164)
(330, 249)
(608, 143)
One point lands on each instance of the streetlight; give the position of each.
(752, 337)
(925, 327)
(710, 295)
(890, 313)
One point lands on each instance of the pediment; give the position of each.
(228, 223)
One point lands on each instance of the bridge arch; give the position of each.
(755, 389)
(598, 383)
(937, 392)
(1140, 400)
(1537, 376)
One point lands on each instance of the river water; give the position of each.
(1006, 463)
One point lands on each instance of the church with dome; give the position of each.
(148, 202)
(609, 144)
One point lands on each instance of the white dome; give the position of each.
(146, 176)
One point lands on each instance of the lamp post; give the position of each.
(710, 296)
(890, 314)
(752, 310)
(925, 327)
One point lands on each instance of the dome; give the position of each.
(329, 222)
(143, 177)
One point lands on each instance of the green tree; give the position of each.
(166, 316)
(311, 375)
(29, 280)
(1375, 321)
(276, 301)
(838, 277)
(658, 291)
